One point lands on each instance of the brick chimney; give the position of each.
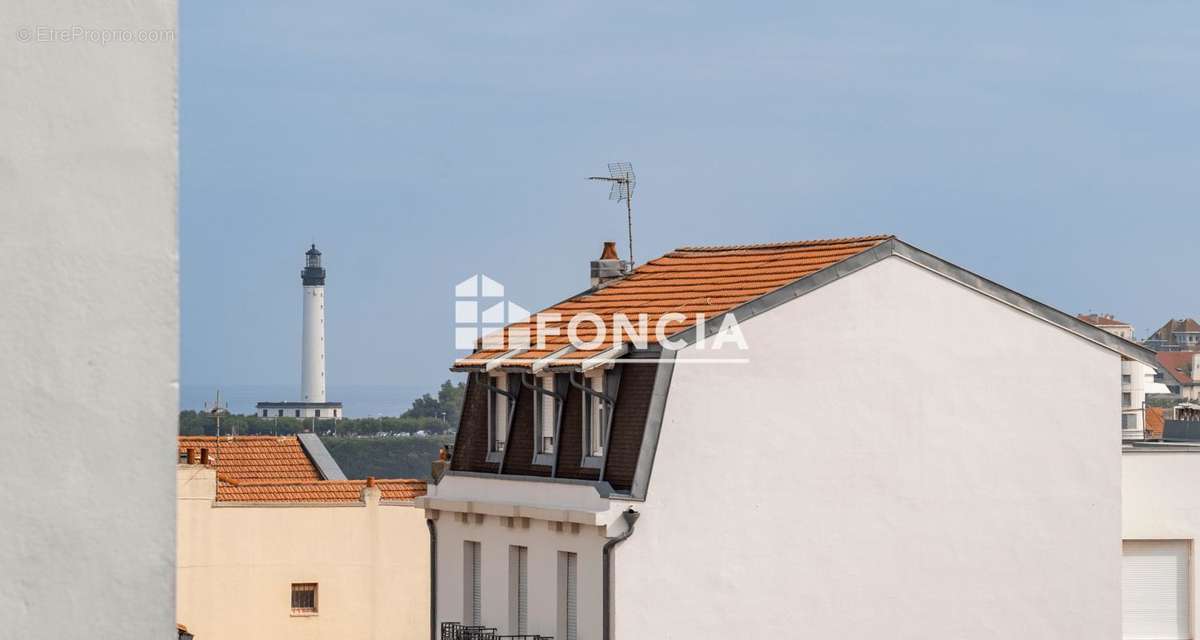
(609, 268)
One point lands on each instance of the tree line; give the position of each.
(428, 415)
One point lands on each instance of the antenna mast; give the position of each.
(621, 175)
(216, 411)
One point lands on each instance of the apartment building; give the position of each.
(1181, 371)
(1176, 335)
(1137, 380)
(275, 544)
(744, 485)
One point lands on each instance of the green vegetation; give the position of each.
(1165, 401)
(448, 404)
(427, 416)
(393, 447)
(385, 457)
(193, 423)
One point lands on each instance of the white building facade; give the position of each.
(1137, 379)
(1160, 523)
(969, 495)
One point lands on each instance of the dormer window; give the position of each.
(497, 413)
(545, 416)
(595, 415)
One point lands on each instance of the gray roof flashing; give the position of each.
(320, 456)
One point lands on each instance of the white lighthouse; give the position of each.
(312, 345)
(312, 402)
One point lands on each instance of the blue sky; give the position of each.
(1052, 149)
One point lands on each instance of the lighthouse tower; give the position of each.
(312, 346)
(312, 403)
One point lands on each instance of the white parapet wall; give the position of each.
(90, 339)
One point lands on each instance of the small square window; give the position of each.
(304, 598)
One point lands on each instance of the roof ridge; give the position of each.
(783, 245)
(299, 481)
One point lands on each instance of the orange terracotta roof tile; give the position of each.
(1178, 364)
(1101, 320)
(250, 458)
(1186, 325)
(689, 280)
(1155, 417)
(319, 491)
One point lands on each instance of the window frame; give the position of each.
(306, 611)
(568, 596)
(518, 589)
(472, 582)
(596, 408)
(498, 393)
(547, 412)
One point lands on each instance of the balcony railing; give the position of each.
(458, 631)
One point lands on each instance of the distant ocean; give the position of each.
(358, 401)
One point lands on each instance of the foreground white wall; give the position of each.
(89, 320)
(902, 458)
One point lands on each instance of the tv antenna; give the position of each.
(621, 175)
(216, 410)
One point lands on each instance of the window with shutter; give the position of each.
(545, 414)
(568, 604)
(1155, 594)
(594, 415)
(518, 589)
(497, 413)
(472, 592)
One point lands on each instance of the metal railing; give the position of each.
(459, 631)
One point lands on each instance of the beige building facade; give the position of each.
(296, 558)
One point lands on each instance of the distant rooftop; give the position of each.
(296, 469)
(1102, 320)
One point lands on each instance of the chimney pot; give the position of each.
(203, 455)
(609, 268)
(370, 481)
(191, 456)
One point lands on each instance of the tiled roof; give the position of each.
(1174, 326)
(1178, 364)
(317, 491)
(1154, 422)
(249, 458)
(1101, 320)
(689, 280)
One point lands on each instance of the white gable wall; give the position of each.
(901, 457)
